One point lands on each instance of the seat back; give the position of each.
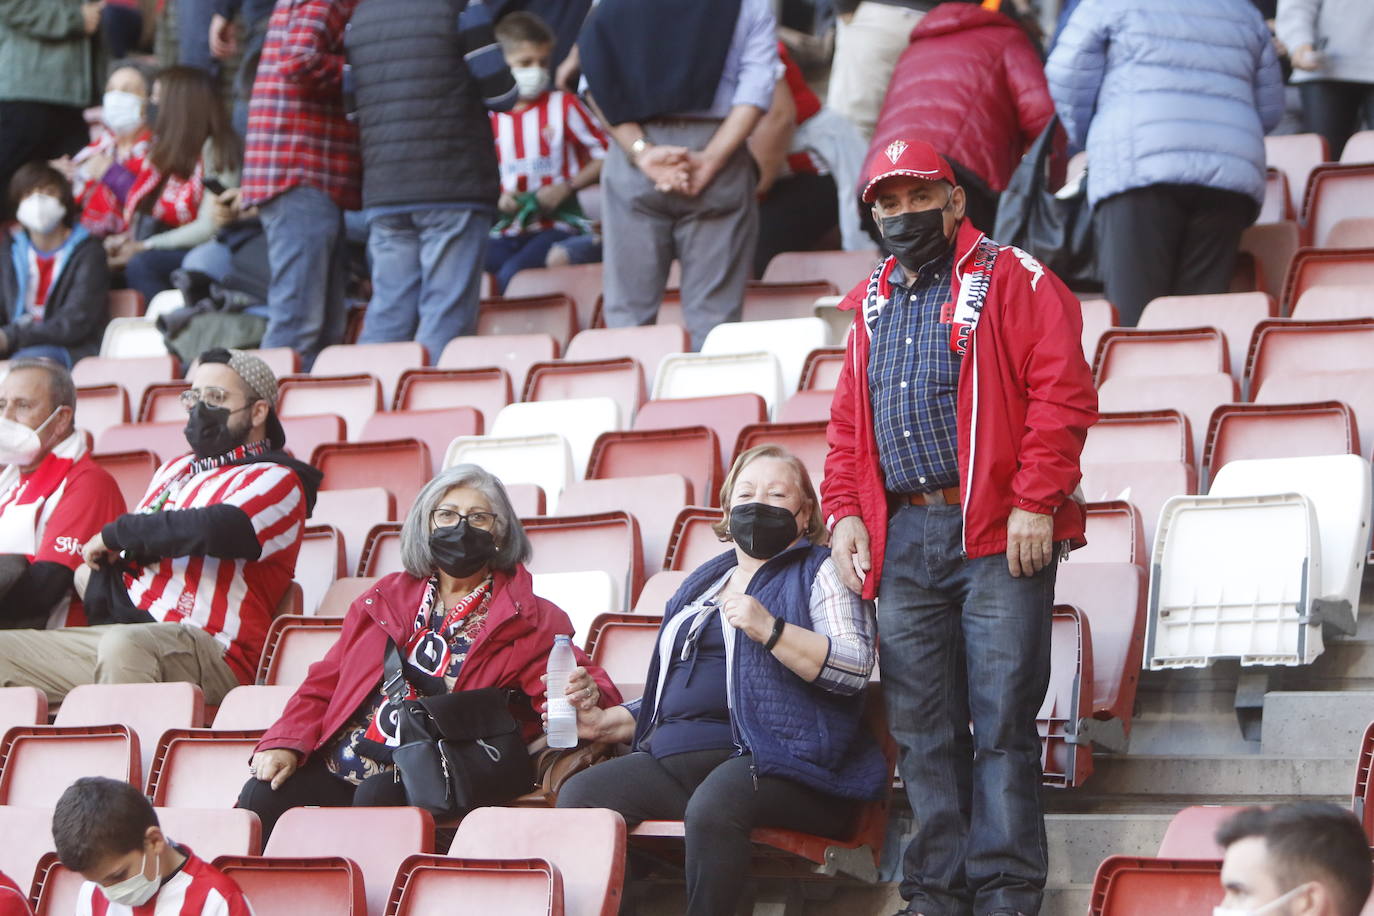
(165, 440)
(1194, 396)
(513, 352)
(1351, 232)
(352, 513)
(658, 588)
(161, 402)
(386, 361)
(1234, 314)
(791, 340)
(693, 542)
(624, 644)
(25, 835)
(1278, 431)
(1191, 833)
(841, 269)
(1098, 316)
(1290, 347)
(132, 472)
(544, 459)
(252, 706)
(1146, 485)
(1296, 155)
(647, 343)
(135, 373)
(319, 563)
(1334, 193)
(579, 420)
(583, 595)
(38, 762)
(1174, 351)
(213, 832)
(783, 301)
(1132, 886)
(98, 407)
(691, 452)
(56, 888)
(435, 884)
(1272, 246)
(694, 375)
(579, 282)
(22, 706)
(1112, 598)
(1360, 801)
(435, 428)
(586, 844)
(293, 645)
(306, 433)
(148, 709)
(355, 397)
(1069, 698)
(382, 550)
(1318, 303)
(402, 465)
(554, 315)
(343, 593)
(282, 886)
(1115, 534)
(607, 541)
(821, 371)
(654, 501)
(485, 390)
(806, 406)
(200, 767)
(1326, 267)
(805, 440)
(725, 415)
(620, 378)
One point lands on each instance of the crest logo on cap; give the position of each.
(894, 151)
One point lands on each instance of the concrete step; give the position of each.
(1079, 842)
(1294, 721)
(1222, 779)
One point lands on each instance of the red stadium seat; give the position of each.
(282, 886)
(1132, 886)
(1334, 193)
(1112, 597)
(1359, 148)
(822, 368)
(483, 390)
(1351, 232)
(252, 706)
(306, 433)
(56, 888)
(621, 378)
(293, 645)
(283, 361)
(319, 563)
(161, 402)
(343, 593)
(133, 372)
(1278, 202)
(654, 501)
(1326, 267)
(514, 353)
(1360, 801)
(624, 644)
(381, 551)
(691, 451)
(648, 344)
(1278, 431)
(200, 767)
(1296, 155)
(132, 471)
(806, 406)
(213, 832)
(1354, 387)
(165, 440)
(586, 844)
(353, 513)
(1098, 316)
(1115, 535)
(608, 541)
(841, 269)
(725, 414)
(658, 588)
(1194, 396)
(693, 542)
(527, 499)
(354, 397)
(98, 407)
(579, 282)
(378, 839)
(25, 835)
(125, 303)
(1068, 699)
(22, 706)
(1295, 347)
(1146, 485)
(434, 884)
(771, 301)
(805, 440)
(1191, 833)
(1334, 302)
(385, 361)
(38, 762)
(1272, 246)
(1159, 435)
(1234, 314)
(147, 709)
(1182, 351)
(435, 428)
(403, 465)
(554, 315)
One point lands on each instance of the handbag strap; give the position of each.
(393, 674)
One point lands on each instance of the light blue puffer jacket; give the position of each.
(1168, 91)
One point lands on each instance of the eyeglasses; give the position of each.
(210, 396)
(447, 518)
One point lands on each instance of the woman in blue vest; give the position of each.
(752, 708)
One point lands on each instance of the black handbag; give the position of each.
(1057, 231)
(458, 751)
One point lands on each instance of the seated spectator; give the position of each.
(53, 497)
(54, 285)
(579, 249)
(104, 171)
(725, 753)
(194, 158)
(183, 588)
(1309, 858)
(549, 148)
(971, 85)
(13, 901)
(107, 831)
(464, 616)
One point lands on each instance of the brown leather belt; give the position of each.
(949, 496)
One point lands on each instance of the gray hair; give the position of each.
(60, 385)
(513, 546)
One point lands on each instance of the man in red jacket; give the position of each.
(954, 441)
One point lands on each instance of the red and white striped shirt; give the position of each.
(198, 889)
(547, 143)
(230, 599)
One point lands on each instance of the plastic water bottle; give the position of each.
(562, 717)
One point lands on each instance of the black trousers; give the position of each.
(313, 784)
(1335, 109)
(1168, 240)
(797, 213)
(717, 798)
(36, 130)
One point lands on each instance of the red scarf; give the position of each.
(101, 211)
(178, 200)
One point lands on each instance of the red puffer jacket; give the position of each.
(971, 85)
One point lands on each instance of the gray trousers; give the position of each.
(712, 234)
(55, 661)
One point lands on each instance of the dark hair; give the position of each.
(189, 113)
(513, 28)
(60, 385)
(39, 176)
(1309, 841)
(138, 66)
(98, 817)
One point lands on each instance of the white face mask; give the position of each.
(40, 213)
(530, 82)
(1259, 911)
(135, 890)
(122, 112)
(19, 444)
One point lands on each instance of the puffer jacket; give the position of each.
(971, 85)
(1168, 92)
(1343, 30)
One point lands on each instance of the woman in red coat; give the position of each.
(463, 615)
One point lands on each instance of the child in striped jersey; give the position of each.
(108, 831)
(549, 148)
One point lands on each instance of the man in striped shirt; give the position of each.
(183, 587)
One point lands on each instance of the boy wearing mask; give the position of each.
(549, 148)
(108, 832)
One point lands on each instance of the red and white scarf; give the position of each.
(32, 491)
(962, 315)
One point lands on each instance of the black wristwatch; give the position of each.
(778, 624)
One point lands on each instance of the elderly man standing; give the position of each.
(954, 437)
(183, 588)
(53, 497)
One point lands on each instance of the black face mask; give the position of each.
(460, 550)
(761, 530)
(915, 239)
(208, 433)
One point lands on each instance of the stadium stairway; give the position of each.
(1186, 748)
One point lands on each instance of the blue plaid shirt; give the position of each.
(913, 383)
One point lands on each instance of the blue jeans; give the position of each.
(963, 641)
(507, 255)
(150, 271)
(308, 259)
(426, 275)
(212, 258)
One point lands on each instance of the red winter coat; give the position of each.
(971, 85)
(1026, 400)
(511, 651)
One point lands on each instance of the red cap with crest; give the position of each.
(913, 158)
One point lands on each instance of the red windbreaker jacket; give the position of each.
(511, 651)
(1026, 400)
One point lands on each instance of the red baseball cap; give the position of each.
(913, 158)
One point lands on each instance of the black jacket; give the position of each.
(78, 306)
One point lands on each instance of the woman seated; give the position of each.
(53, 280)
(194, 158)
(104, 171)
(463, 611)
(753, 704)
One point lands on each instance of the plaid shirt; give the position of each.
(297, 132)
(913, 381)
